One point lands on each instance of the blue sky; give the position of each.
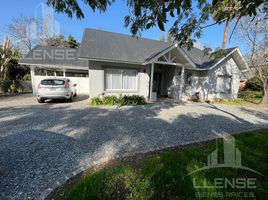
(112, 20)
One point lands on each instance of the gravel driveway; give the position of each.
(42, 145)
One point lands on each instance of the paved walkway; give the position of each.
(41, 145)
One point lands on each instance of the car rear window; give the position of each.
(52, 82)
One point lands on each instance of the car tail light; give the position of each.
(66, 85)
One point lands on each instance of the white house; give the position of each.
(114, 64)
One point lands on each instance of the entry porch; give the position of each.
(171, 76)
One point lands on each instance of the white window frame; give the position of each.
(121, 90)
(221, 90)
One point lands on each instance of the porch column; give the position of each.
(64, 70)
(32, 78)
(151, 81)
(181, 83)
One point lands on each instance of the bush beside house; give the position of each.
(120, 101)
(252, 91)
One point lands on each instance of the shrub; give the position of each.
(132, 100)
(27, 77)
(249, 94)
(13, 88)
(110, 100)
(253, 84)
(114, 100)
(96, 101)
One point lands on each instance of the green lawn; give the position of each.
(252, 102)
(247, 97)
(164, 175)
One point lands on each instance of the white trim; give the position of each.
(111, 61)
(159, 55)
(169, 63)
(182, 83)
(151, 81)
(240, 54)
(221, 60)
(55, 66)
(187, 58)
(32, 78)
(171, 60)
(217, 63)
(165, 58)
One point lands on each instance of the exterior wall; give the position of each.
(82, 83)
(228, 68)
(205, 82)
(198, 83)
(97, 79)
(174, 87)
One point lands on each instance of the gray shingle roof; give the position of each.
(103, 45)
(109, 46)
(54, 56)
(203, 61)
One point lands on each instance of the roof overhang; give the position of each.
(236, 53)
(111, 61)
(174, 46)
(157, 56)
(53, 66)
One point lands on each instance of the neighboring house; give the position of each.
(114, 64)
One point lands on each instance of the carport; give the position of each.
(51, 62)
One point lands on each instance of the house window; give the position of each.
(76, 73)
(223, 84)
(118, 79)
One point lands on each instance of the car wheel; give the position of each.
(40, 100)
(71, 98)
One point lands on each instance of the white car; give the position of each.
(56, 88)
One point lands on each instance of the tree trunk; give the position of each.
(225, 36)
(264, 99)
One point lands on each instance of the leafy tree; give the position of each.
(55, 41)
(169, 38)
(188, 22)
(71, 41)
(60, 41)
(7, 53)
(255, 35)
(16, 71)
(223, 10)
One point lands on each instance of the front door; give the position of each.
(157, 83)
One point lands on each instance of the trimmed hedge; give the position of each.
(120, 101)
